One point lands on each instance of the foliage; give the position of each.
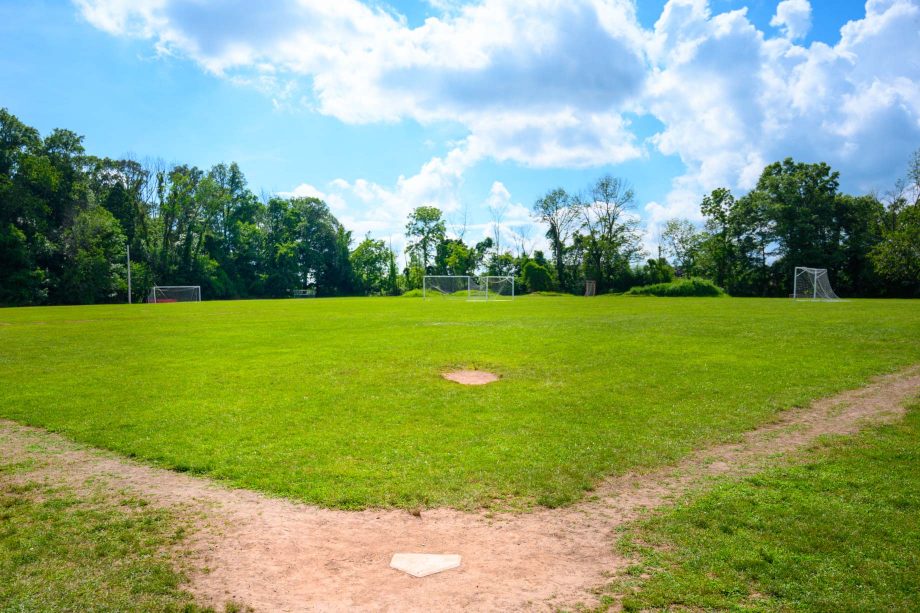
(682, 287)
(559, 212)
(839, 531)
(897, 257)
(682, 244)
(611, 238)
(796, 217)
(67, 219)
(373, 268)
(536, 278)
(426, 230)
(65, 551)
(340, 401)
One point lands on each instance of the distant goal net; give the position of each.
(812, 284)
(174, 293)
(468, 287)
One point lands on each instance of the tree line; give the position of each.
(750, 245)
(67, 219)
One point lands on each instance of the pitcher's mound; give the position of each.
(471, 377)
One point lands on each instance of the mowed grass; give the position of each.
(62, 550)
(839, 532)
(340, 402)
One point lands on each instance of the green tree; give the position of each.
(370, 262)
(802, 200)
(717, 244)
(425, 230)
(94, 268)
(611, 237)
(536, 277)
(682, 244)
(559, 212)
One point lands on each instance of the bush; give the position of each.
(537, 278)
(412, 293)
(681, 287)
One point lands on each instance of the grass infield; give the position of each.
(340, 402)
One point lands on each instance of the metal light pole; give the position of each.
(129, 272)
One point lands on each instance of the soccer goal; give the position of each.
(467, 287)
(812, 284)
(175, 293)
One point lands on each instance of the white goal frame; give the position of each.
(196, 293)
(812, 284)
(477, 288)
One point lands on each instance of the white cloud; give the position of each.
(557, 74)
(794, 17)
(552, 84)
(733, 100)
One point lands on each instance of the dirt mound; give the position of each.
(471, 377)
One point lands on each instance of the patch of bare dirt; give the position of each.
(471, 377)
(277, 555)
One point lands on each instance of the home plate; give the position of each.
(424, 564)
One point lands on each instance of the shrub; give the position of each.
(537, 278)
(412, 293)
(681, 287)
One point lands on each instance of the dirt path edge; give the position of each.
(277, 555)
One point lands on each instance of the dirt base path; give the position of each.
(276, 555)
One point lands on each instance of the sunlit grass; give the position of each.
(340, 402)
(840, 532)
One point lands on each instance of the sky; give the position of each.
(478, 108)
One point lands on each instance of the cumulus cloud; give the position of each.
(557, 74)
(553, 84)
(794, 17)
(849, 104)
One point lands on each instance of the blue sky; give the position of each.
(378, 107)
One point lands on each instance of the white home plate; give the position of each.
(424, 564)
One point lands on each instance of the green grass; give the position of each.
(62, 551)
(840, 532)
(339, 402)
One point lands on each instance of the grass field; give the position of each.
(839, 532)
(62, 550)
(339, 402)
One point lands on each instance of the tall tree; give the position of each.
(370, 262)
(682, 244)
(803, 207)
(612, 238)
(425, 230)
(559, 212)
(717, 207)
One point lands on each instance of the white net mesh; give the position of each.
(469, 288)
(456, 286)
(812, 284)
(496, 288)
(175, 293)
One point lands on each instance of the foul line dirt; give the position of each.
(276, 555)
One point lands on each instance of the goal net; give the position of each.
(175, 293)
(812, 284)
(468, 287)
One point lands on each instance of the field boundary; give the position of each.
(278, 555)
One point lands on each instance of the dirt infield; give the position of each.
(471, 377)
(276, 555)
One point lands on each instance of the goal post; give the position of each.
(468, 287)
(174, 293)
(812, 284)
